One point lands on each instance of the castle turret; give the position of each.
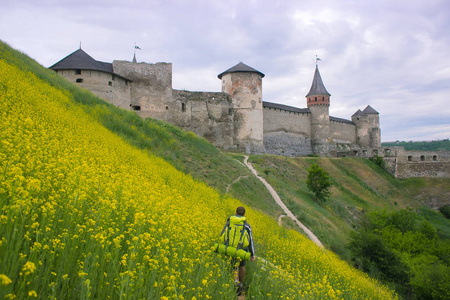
(244, 84)
(368, 133)
(318, 100)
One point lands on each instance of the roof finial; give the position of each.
(80, 44)
(317, 59)
(135, 47)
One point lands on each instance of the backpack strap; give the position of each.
(227, 241)
(241, 242)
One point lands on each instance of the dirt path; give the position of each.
(236, 180)
(277, 199)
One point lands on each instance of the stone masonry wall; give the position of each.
(276, 120)
(151, 86)
(343, 131)
(114, 89)
(287, 133)
(207, 114)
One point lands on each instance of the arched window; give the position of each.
(434, 157)
(79, 80)
(422, 158)
(183, 107)
(409, 158)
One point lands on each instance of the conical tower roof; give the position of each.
(317, 87)
(358, 113)
(83, 61)
(369, 110)
(240, 67)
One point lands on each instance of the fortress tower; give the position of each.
(368, 133)
(318, 100)
(244, 85)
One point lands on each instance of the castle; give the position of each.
(238, 119)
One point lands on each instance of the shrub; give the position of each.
(318, 182)
(445, 210)
(379, 161)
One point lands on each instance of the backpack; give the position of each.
(235, 234)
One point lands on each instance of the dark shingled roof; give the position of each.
(317, 87)
(285, 107)
(358, 113)
(340, 120)
(83, 61)
(369, 110)
(240, 67)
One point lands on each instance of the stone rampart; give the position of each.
(114, 89)
(207, 114)
(152, 86)
(287, 132)
(423, 169)
(343, 131)
(278, 120)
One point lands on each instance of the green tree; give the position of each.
(318, 182)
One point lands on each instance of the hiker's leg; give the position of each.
(241, 273)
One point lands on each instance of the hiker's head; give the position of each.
(240, 211)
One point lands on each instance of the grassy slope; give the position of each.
(358, 186)
(70, 140)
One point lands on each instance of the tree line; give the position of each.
(421, 146)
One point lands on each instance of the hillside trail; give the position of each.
(277, 199)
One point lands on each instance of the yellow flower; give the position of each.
(4, 280)
(29, 268)
(32, 294)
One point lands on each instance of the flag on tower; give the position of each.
(137, 47)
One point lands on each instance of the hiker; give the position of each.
(241, 238)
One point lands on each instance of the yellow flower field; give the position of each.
(84, 215)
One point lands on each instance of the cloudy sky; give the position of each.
(390, 54)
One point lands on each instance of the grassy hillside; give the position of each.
(359, 186)
(87, 211)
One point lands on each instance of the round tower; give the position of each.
(368, 133)
(244, 85)
(318, 100)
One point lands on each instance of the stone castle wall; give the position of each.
(341, 131)
(207, 114)
(152, 86)
(406, 164)
(287, 133)
(114, 89)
